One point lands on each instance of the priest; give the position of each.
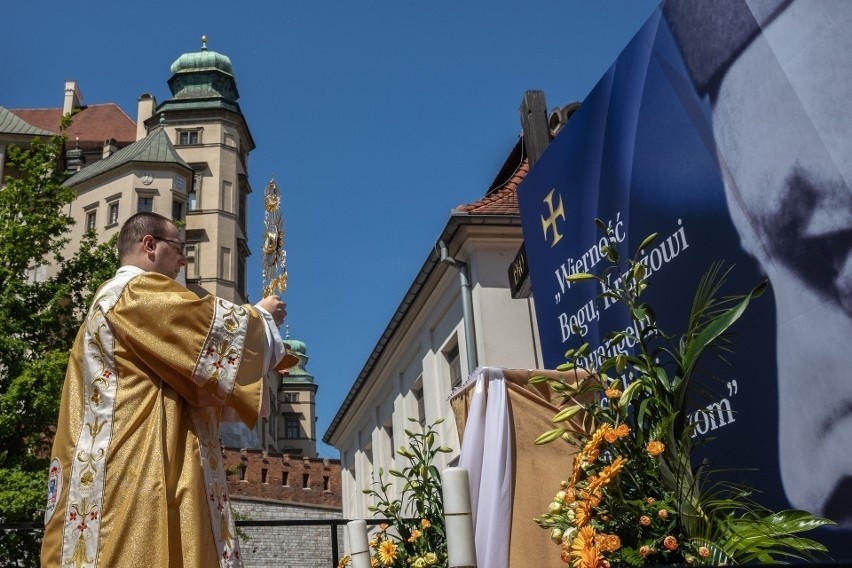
(136, 474)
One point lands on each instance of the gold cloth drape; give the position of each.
(538, 470)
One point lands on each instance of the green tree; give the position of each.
(39, 321)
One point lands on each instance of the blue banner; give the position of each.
(723, 128)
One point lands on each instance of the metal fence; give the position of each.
(332, 524)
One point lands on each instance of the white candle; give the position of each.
(359, 549)
(461, 548)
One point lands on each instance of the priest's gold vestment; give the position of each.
(137, 477)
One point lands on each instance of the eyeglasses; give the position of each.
(181, 246)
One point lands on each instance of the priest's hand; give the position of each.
(276, 308)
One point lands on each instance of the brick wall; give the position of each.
(286, 547)
(283, 478)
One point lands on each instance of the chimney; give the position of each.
(73, 97)
(110, 148)
(145, 110)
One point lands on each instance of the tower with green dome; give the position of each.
(297, 406)
(209, 131)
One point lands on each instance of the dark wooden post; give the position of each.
(536, 130)
(533, 113)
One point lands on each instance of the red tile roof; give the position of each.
(503, 199)
(90, 127)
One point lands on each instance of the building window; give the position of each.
(285, 477)
(389, 433)
(195, 190)
(454, 364)
(145, 204)
(325, 483)
(225, 264)
(292, 432)
(177, 210)
(417, 391)
(291, 397)
(112, 217)
(191, 256)
(241, 214)
(189, 137)
(241, 276)
(227, 197)
(263, 475)
(306, 480)
(91, 220)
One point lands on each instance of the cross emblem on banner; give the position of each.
(553, 215)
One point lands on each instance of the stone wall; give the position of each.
(286, 547)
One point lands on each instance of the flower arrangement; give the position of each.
(633, 497)
(415, 535)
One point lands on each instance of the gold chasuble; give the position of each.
(137, 477)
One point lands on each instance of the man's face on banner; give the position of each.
(784, 134)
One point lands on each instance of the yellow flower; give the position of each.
(584, 550)
(607, 474)
(415, 534)
(622, 430)
(373, 562)
(419, 563)
(583, 513)
(374, 542)
(431, 558)
(424, 523)
(387, 552)
(345, 561)
(655, 447)
(592, 445)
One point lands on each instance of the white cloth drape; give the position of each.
(487, 455)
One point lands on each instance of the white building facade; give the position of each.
(427, 349)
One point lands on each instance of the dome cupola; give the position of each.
(203, 74)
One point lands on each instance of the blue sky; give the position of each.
(376, 118)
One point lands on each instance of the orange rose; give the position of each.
(611, 543)
(611, 436)
(650, 500)
(703, 552)
(655, 447)
(644, 520)
(645, 550)
(663, 514)
(670, 543)
(612, 393)
(622, 430)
